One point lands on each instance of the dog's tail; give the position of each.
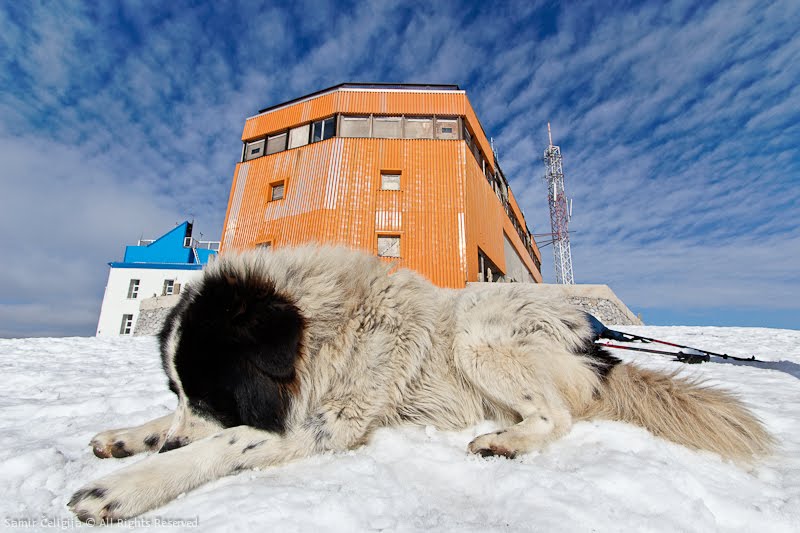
(682, 410)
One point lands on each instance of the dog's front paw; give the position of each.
(122, 443)
(94, 505)
(126, 494)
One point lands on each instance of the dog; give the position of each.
(278, 355)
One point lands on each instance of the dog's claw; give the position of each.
(100, 450)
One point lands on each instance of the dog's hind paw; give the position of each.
(492, 444)
(105, 448)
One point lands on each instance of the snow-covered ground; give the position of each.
(55, 394)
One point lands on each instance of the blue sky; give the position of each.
(679, 123)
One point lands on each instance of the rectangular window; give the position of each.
(169, 287)
(355, 127)
(127, 325)
(487, 270)
(276, 143)
(389, 245)
(390, 181)
(133, 289)
(323, 129)
(276, 192)
(254, 149)
(446, 128)
(299, 136)
(419, 128)
(387, 127)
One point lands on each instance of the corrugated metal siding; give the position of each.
(443, 213)
(480, 135)
(360, 102)
(486, 221)
(515, 207)
(333, 195)
(234, 205)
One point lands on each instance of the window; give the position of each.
(389, 246)
(419, 128)
(323, 129)
(387, 127)
(355, 126)
(254, 149)
(169, 287)
(133, 289)
(299, 136)
(468, 137)
(446, 128)
(276, 192)
(487, 270)
(276, 143)
(390, 181)
(127, 325)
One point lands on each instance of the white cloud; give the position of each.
(678, 125)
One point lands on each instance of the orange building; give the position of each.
(403, 171)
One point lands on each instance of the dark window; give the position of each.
(487, 270)
(323, 129)
(169, 287)
(277, 191)
(133, 289)
(127, 325)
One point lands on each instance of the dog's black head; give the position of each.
(234, 349)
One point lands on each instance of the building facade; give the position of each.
(159, 267)
(403, 171)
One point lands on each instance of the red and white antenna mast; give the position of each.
(560, 213)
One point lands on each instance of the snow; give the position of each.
(55, 394)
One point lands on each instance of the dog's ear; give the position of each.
(266, 327)
(276, 328)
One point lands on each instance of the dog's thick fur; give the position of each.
(279, 355)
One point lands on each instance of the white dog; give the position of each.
(279, 355)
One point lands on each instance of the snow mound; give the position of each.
(55, 394)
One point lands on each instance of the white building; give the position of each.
(152, 268)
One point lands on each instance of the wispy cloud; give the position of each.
(678, 124)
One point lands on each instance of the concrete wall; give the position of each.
(598, 300)
(152, 313)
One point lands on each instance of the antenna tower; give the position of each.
(560, 213)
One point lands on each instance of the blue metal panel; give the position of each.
(166, 249)
(158, 266)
